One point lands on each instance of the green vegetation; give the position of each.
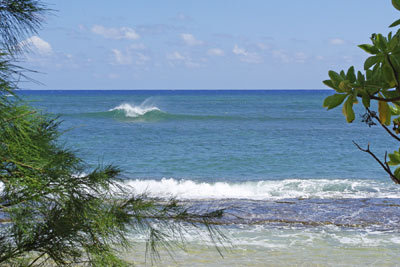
(53, 210)
(380, 82)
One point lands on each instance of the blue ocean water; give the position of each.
(289, 164)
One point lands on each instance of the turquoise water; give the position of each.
(293, 184)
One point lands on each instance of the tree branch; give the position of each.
(384, 165)
(373, 115)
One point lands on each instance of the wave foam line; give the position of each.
(265, 190)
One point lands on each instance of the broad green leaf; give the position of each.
(335, 77)
(394, 24)
(361, 78)
(391, 94)
(370, 62)
(397, 173)
(396, 4)
(394, 159)
(395, 59)
(330, 84)
(348, 110)
(389, 75)
(384, 112)
(366, 100)
(381, 42)
(369, 49)
(392, 42)
(351, 75)
(343, 75)
(334, 100)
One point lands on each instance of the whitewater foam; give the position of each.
(135, 111)
(265, 190)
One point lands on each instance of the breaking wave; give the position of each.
(147, 113)
(266, 190)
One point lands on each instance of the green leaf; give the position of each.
(397, 173)
(381, 42)
(396, 4)
(389, 75)
(335, 77)
(370, 62)
(334, 100)
(394, 24)
(394, 159)
(351, 75)
(369, 49)
(348, 110)
(361, 78)
(366, 100)
(330, 84)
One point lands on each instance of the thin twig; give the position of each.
(372, 114)
(384, 165)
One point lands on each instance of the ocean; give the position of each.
(295, 189)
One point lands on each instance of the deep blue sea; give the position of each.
(295, 188)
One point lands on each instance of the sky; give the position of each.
(207, 44)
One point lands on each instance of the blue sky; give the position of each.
(188, 44)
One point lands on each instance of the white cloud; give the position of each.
(175, 56)
(281, 55)
(215, 52)
(38, 44)
(120, 58)
(128, 58)
(190, 40)
(179, 58)
(337, 41)
(116, 34)
(246, 56)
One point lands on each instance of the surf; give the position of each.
(265, 190)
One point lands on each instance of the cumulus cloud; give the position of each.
(246, 56)
(215, 52)
(115, 33)
(178, 58)
(190, 40)
(39, 45)
(337, 41)
(128, 57)
(120, 58)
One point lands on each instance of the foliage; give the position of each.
(53, 210)
(380, 82)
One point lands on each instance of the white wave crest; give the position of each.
(136, 111)
(265, 190)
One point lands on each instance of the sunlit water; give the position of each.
(295, 189)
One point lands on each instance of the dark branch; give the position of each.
(384, 165)
(373, 114)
